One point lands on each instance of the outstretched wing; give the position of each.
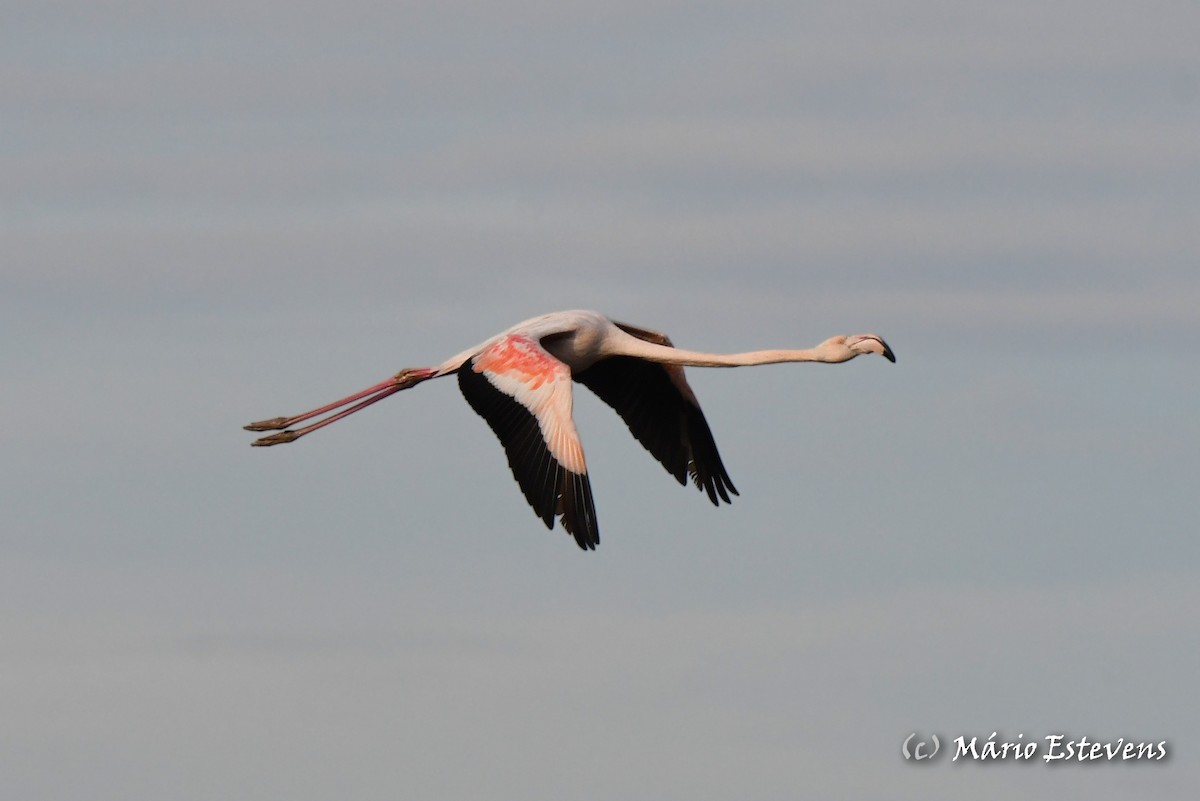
(524, 394)
(662, 413)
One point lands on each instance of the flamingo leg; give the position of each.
(402, 380)
(276, 423)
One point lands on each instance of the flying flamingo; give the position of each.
(519, 381)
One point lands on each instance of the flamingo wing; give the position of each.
(662, 413)
(524, 394)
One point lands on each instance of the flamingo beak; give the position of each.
(870, 343)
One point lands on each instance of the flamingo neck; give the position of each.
(690, 358)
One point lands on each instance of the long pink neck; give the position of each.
(690, 358)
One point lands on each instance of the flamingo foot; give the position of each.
(275, 439)
(274, 424)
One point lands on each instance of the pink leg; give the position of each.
(276, 423)
(402, 380)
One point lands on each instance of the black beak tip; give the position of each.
(887, 354)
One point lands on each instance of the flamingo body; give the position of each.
(520, 382)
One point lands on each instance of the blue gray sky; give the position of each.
(215, 213)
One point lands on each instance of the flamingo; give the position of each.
(519, 381)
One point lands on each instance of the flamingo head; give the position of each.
(845, 348)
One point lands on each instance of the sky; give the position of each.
(221, 212)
